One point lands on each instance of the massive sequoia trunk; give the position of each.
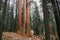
(23, 28)
(19, 26)
(28, 18)
(24, 17)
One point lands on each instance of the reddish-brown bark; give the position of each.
(28, 19)
(24, 28)
(19, 23)
(24, 17)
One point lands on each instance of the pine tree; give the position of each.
(3, 17)
(0, 4)
(56, 14)
(35, 18)
(46, 19)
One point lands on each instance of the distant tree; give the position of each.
(11, 17)
(0, 4)
(56, 15)
(35, 18)
(7, 24)
(3, 16)
(46, 19)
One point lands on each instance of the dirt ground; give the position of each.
(15, 36)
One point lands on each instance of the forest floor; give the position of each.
(15, 36)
